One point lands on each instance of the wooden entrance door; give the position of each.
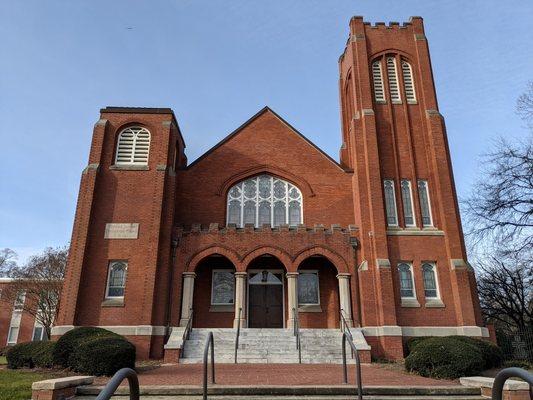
(266, 306)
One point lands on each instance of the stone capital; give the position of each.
(189, 274)
(343, 275)
(292, 274)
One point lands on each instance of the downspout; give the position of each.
(174, 245)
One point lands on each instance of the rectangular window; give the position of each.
(407, 283)
(407, 199)
(116, 279)
(308, 288)
(38, 333)
(19, 301)
(425, 205)
(390, 202)
(222, 287)
(13, 335)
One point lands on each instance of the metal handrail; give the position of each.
(116, 380)
(188, 327)
(296, 331)
(238, 334)
(345, 328)
(210, 342)
(504, 374)
(348, 338)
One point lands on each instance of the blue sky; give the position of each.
(216, 63)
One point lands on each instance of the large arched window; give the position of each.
(264, 199)
(133, 146)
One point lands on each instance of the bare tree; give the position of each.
(504, 286)
(41, 279)
(7, 261)
(499, 212)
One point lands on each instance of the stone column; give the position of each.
(292, 296)
(240, 299)
(344, 296)
(187, 297)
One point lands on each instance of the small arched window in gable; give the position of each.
(408, 82)
(392, 74)
(133, 146)
(264, 199)
(377, 77)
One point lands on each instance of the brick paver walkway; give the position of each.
(282, 374)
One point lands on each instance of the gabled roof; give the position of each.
(253, 118)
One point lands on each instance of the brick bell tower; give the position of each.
(124, 214)
(393, 134)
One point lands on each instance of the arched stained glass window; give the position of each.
(430, 280)
(116, 281)
(264, 199)
(406, 281)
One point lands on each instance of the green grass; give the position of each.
(16, 384)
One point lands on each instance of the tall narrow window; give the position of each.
(116, 281)
(407, 200)
(262, 200)
(408, 82)
(392, 74)
(390, 202)
(407, 285)
(425, 205)
(377, 77)
(19, 300)
(133, 146)
(430, 281)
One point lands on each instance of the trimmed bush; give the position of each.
(517, 364)
(492, 354)
(103, 356)
(31, 355)
(73, 339)
(413, 342)
(445, 358)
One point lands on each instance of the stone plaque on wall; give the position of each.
(121, 231)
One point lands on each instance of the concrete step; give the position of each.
(343, 392)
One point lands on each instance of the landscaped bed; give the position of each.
(16, 384)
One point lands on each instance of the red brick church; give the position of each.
(265, 229)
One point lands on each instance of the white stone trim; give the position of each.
(62, 383)
(410, 232)
(425, 331)
(125, 330)
(484, 382)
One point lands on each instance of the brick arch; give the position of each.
(277, 252)
(402, 53)
(337, 260)
(300, 182)
(209, 251)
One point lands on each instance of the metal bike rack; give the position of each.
(116, 380)
(209, 343)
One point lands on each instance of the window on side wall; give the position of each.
(390, 202)
(308, 288)
(407, 283)
(407, 200)
(425, 204)
(116, 279)
(429, 271)
(222, 287)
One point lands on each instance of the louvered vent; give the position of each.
(393, 80)
(133, 146)
(379, 92)
(408, 82)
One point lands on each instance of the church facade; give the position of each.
(265, 227)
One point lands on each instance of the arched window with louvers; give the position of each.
(408, 82)
(133, 146)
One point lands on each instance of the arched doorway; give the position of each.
(266, 293)
(318, 293)
(214, 293)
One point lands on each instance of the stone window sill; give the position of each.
(310, 308)
(113, 303)
(129, 167)
(410, 303)
(222, 308)
(434, 303)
